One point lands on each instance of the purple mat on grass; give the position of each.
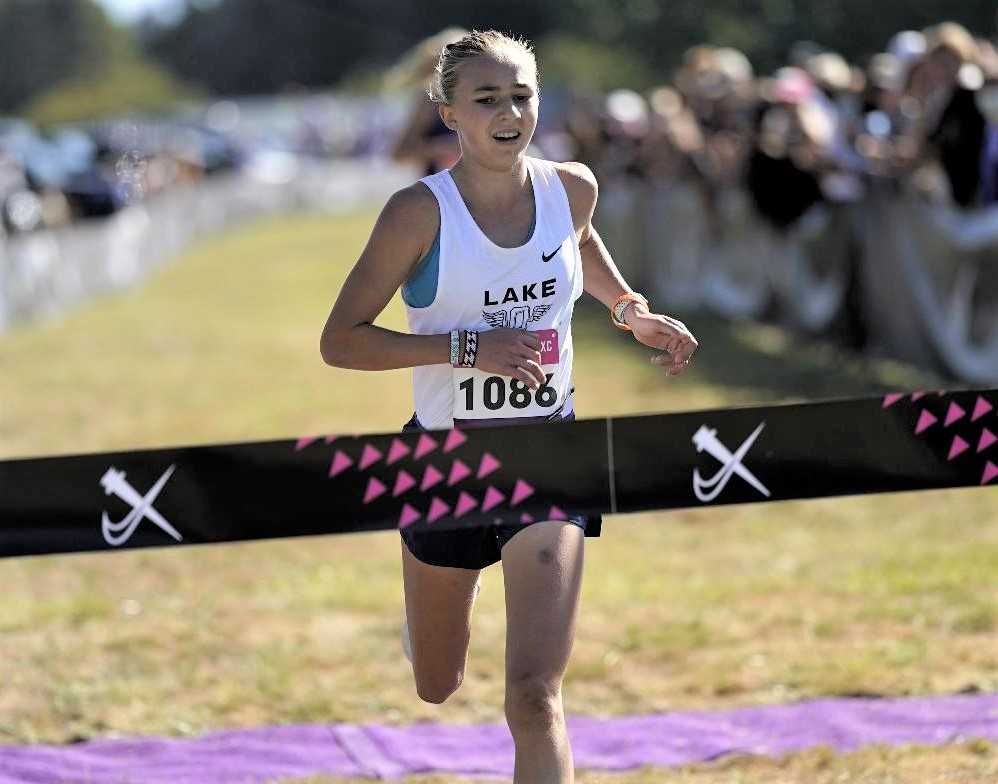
(486, 750)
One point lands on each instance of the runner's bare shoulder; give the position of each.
(405, 229)
(580, 185)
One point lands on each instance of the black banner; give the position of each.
(447, 479)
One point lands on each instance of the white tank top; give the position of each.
(482, 286)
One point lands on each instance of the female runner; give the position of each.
(491, 255)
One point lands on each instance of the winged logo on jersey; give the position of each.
(515, 318)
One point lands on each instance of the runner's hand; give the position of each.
(668, 335)
(514, 353)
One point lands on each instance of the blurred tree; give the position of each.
(122, 87)
(65, 61)
(660, 31)
(261, 46)
(588, 65)
(264, 46)
(45, 41)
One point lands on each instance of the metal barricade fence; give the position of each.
(926, 276)
(930, 275)
(45, 273)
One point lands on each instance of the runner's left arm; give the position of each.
(603, 281)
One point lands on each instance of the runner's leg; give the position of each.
(438, 604)
(542, 569)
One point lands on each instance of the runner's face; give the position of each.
(491, 99)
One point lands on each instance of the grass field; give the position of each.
(700, 608)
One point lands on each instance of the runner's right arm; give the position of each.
(400, 238)
(404, 231)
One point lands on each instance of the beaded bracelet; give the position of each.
(620, 305)
(470, 352)
(455, 346)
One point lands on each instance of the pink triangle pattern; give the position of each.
(437, 510)
(958, 447)
(890, 400)
(526, 519)
(465, 503)
(301, 443)
(403, 482)
(925, 421)
(458, 471)
(369, 457)
(987, 439)
(554, 513)
(916, 395)
(340, 463)
(488, 465)
(374, 489)
(981, 407)
(424, 446)
(454, 439)
(430, 477)
(492, 499)
(330, 438)
(990, 472)
(396, 451)
(521, 490)
(409, 515)
(953, 413)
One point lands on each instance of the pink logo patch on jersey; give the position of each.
(549, 346)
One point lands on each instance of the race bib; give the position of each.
(479, 395)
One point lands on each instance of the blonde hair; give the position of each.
(505, 48)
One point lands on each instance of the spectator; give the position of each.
(424, 139)
(792, 135)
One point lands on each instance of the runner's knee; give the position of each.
(533, 702)
(436, 689)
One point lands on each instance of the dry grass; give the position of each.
(972, 762)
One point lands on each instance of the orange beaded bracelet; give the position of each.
(621, 303)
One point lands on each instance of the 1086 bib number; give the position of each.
(494, 393)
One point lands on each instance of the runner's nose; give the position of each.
(508, 108)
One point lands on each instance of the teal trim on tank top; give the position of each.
(421, 288)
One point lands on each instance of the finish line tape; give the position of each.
(443, 480)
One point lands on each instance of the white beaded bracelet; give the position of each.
(455, 341)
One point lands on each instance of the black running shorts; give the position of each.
(481, 546)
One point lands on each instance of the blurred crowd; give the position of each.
(924, 111)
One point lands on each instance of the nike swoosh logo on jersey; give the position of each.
(549, 256)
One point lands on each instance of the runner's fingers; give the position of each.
(678, 363)
(668, 342)
(680, 346)
(531, 341)
(681, 364)
(529, 355)
(535, 371)
(524, 376)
